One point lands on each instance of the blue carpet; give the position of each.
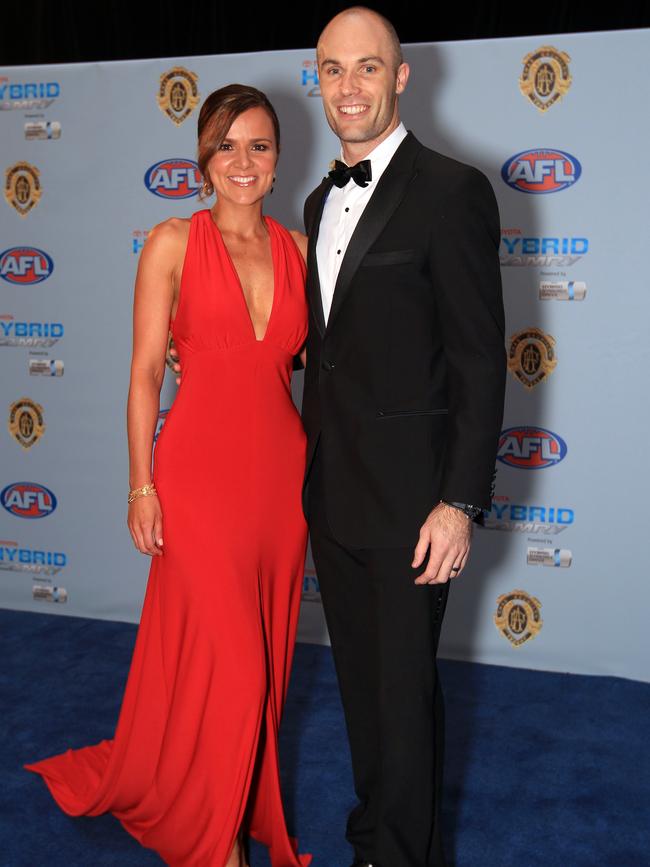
(541, 769)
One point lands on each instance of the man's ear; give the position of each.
(402, 76)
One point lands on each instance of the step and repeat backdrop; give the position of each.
(94, 155)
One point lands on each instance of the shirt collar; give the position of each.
(383, 153)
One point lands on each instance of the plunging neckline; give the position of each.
(242, 295)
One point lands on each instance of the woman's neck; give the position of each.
(245, 221)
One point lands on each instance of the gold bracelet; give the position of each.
(144, 491)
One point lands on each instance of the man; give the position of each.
(403, 403)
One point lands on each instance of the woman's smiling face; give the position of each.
(242, 168)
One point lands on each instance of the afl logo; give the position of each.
(173, 179)
(28, 500)
(531, 448)
(25, 265)
(544, 170)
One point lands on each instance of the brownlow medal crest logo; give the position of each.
(22, 187)
(545, 77)
(26, 424)
(531, 357)
(178, 94)
(517, 617)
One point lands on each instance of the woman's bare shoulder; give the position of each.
(173, 230)
(167, 240)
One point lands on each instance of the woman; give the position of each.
(194, 760)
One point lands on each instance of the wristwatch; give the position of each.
(471, 511)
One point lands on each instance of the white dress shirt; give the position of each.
(343, 207)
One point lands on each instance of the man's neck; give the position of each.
(354, 151)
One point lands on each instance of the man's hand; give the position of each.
(176, 366)
(448, 532)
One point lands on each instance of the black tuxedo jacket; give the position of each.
(404, 388)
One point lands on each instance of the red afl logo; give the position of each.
(25, 265)
(176, 178)
(541, 170)
(531, 448)
(28, 500)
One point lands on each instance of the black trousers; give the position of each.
(384, 631)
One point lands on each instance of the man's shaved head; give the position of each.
(361, 11)
(361, 75)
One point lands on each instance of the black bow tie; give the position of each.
(341, 173)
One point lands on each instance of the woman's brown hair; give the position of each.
(216, 117)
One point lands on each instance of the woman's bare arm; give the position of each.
(154, 295)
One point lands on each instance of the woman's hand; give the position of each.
(145, 524)
(177, 363)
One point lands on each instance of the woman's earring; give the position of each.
(273, 184)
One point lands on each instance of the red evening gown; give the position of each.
(195, 751)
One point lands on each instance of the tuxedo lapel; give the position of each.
(313, 280)
(390, 190)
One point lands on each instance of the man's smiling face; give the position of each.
(359, 78)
